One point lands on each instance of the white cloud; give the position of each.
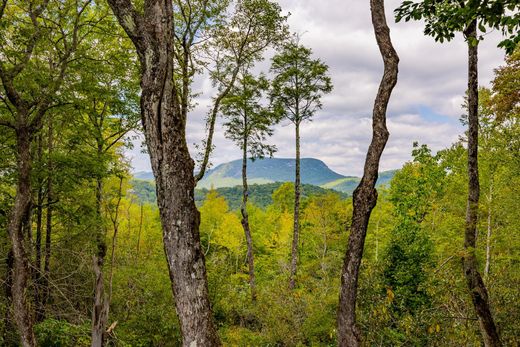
(425, 105)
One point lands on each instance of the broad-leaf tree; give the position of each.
(248, 123)
(163, 48)
(38, 42)
(298, 85)
(443, 20)
(233, 44)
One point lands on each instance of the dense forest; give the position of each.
(428, 255)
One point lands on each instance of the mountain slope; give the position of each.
(348, 184)
(268, 170)
(271, 170)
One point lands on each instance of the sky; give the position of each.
(425, 105)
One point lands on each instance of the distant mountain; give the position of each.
(268, 170)
(348, 184)
(144, 175)
(271, 170)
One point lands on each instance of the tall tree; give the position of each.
(443, 20)
(106, 104)
(248, 124)
(41, 39)
(234, 44)
(165, 102)
(164, 128)
(297, 87)
(365, 195)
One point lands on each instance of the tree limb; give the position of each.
(128, 18)
(7, 123)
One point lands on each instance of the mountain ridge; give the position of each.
(271, 170)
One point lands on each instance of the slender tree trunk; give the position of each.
(7, 328)
(377, 238)
(245, 223)
(165, 131)
(48, 222)
(115, 224)
(488, 236)
(365, 195)
(38, 272)
(296, 228)
(476, 286)
(17, 219)
(140, 230)
(99, 308)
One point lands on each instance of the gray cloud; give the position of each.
(425, 105)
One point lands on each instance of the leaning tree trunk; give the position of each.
(165, 132)
(17, 219)
(476, 286)
(296, 228)
(365, 195)
(245, 224)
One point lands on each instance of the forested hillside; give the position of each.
(258, 251)
(269, 170)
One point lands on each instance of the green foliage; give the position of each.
(247, 122)
(144, 190)
(299, 83)
(262, 196)
(446, 17)
(59, 333)
(411, 290)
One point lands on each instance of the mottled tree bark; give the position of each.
(165, 132)
(17, 218)
(476, 286)
(38, 245)
(365, 195)
(48, 222)
(296, 227)
(8, 328)
(245, 222)
(99, 316)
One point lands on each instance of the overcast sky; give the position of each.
(425, 105)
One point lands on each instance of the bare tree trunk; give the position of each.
(476, 286)
(140, 230)
(17, 219)
(165, 132)
(48, 222)
(98, 310)
(296, 228)
(115, 225)
(245, 223)
(38, 271)
(488, 236)
(365, 195)
(8, 328)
